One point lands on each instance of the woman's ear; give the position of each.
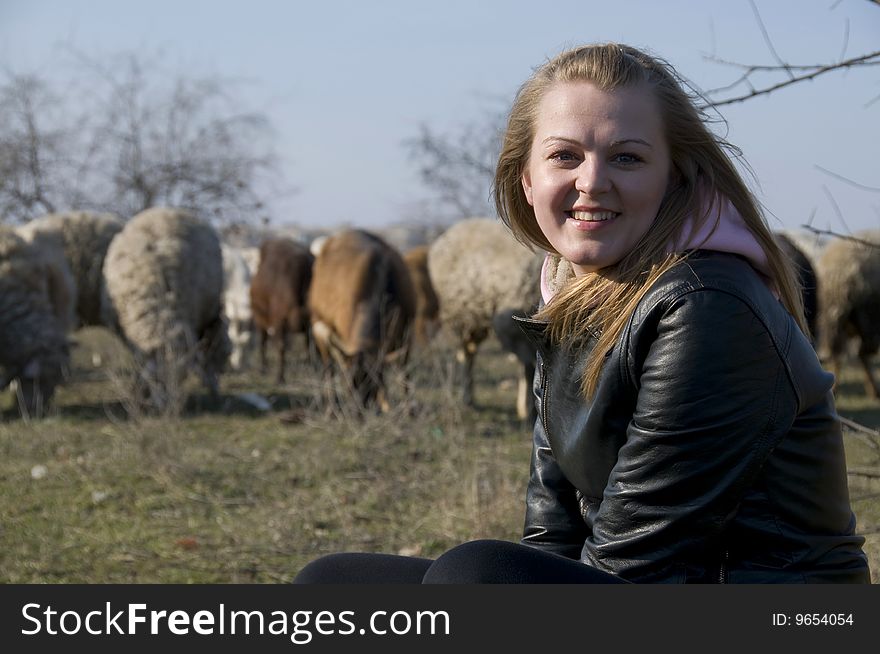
(526, 180)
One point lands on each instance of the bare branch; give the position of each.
(836, 208)
(768, 41)
(873, 189)
(845, 39)
(866, 59)
(833, 234)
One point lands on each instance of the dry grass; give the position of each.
(226, 493)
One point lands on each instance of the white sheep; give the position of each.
(34, 350)
(83, 238)
(239, 266)
(849, 301)
(480, 271)
(163, 276)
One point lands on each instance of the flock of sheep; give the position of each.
(183, 301)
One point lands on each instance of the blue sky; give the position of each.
(345, 83)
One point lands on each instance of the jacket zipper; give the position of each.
(722, 569)
(544, 387)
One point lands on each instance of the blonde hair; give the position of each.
(602, 302)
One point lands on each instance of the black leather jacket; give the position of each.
(711, 450)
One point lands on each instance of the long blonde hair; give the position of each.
(603, 301)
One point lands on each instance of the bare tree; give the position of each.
(783, 73)
(134, 137)
(458, 168)
(30, 148)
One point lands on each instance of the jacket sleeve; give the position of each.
(553, 520)
(713, 400)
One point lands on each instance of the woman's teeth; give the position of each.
(592, 216)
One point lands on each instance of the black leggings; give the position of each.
(476, 562)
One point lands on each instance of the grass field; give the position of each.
(96, 493)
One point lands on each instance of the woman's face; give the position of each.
(598, 169)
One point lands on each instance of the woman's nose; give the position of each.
(592, 177)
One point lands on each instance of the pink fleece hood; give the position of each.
(730, 235)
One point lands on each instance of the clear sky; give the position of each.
(346, 82)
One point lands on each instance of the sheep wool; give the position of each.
(478, 269)
(33, 340)
(83, 238)
(849, 297)
(163, 277)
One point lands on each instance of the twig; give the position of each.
(836, 208)
(847, 237)
(768, 41)
(855, 61)
(864, 187)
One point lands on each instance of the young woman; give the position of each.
(686, 430)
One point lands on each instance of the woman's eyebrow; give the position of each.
(550, 139)
(615, 143)
(625, 141)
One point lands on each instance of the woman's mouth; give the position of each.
(591, 216)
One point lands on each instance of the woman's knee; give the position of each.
(474, 562)
(328, 569)
(363, 568)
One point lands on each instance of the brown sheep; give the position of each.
(362, 303)
(849, 301)
(427, 319)
(278, 295)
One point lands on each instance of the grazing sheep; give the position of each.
(34, 350)
(278, 295)
(362, 303)
(427, 319)
(479, 271)
(806, 278)
(513, 340)
(83, 237)
(849, 301)
(237, 275)
(163, 278)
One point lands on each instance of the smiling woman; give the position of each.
(686, 430)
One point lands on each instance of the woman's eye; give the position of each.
(562, 155)
(627, 158)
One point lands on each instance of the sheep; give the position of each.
(479, 271)
(83, 238)
(362, 303)
(34, 350)
(278, 295)
(849, 301)
(163, 281)
(427, 318)
(513, 340)
(806, 278)
(237, 275)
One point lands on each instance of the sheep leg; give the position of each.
(525, 408)
(382, 395)
(264, 363)
(408, 389)
(282, 352)
(466, 356)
